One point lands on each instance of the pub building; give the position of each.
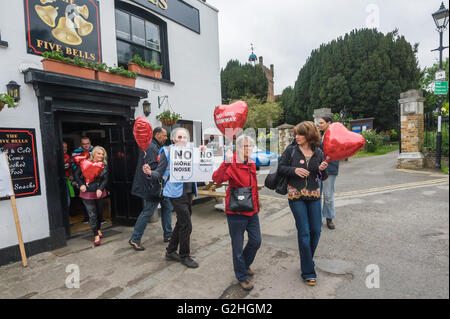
(179, 35)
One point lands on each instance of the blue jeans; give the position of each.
(308, 221)
(243, 257)
(147, 212)
(328, 197)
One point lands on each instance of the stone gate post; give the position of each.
(412, 127)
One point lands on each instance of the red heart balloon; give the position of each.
(340, 143)
(77, 159)
(66, 158)
(143, 133)
(91, 170)
(230, 119)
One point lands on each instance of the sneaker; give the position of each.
(103, 221)
(189, 262)
(85, 221)
(246, 285)
(136, 246)
(173, 256)
(330, 224)
(250, 272)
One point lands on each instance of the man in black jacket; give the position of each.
(151, 192)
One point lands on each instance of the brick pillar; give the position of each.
(412, 126)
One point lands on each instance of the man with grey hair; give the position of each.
(180, 195)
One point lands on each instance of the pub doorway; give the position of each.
(116, 136)
(72, 133)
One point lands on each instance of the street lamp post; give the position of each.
(440, 17)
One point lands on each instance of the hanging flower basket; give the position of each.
(168, 118)
(169, 122)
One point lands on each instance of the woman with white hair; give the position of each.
(241, 206)
(180, 194)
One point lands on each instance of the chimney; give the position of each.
(271, 69)
(261, 60)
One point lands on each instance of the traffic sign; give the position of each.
(441, 87)
(440, 75)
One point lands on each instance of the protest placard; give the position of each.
(189, 164)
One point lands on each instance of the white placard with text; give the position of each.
(188, 164)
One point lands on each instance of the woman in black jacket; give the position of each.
(93, 191)
(303, 163)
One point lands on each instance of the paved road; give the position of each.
(393, 221)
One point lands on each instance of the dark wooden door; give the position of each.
(122, 159)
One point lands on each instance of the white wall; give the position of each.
(194, 68)
(32, 210)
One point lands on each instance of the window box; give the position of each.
(115, 78)
(133, 67)
(69, 69)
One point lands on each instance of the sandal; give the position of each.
(137, 247)
(310, 282)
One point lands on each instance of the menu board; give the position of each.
(20, 145)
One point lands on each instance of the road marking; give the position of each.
(391, 187)
(404, 170)
(375, 189)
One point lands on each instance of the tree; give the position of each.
(239, 80)
(427, 80)
(365, 71)
(285, 101)
(263, 115)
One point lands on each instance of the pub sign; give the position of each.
(69, 26)
(20, 146)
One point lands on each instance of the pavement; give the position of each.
(391, 241)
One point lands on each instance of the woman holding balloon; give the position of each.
(92, 178)
(303, 164)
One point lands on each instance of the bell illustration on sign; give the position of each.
(71, 27)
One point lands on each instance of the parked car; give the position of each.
(263, 157)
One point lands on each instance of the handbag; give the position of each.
(278, 182)
(241, 199)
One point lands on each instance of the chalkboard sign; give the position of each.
(20, 144)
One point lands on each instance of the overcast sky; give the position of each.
(285, 32)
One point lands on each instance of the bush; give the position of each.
(374, 140)
(394, 135)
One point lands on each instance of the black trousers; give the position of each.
(94, 208)
(181, 234)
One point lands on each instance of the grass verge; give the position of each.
(383, 149)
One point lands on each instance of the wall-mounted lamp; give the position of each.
(3, 44)
(146, 106)
(13, 90)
